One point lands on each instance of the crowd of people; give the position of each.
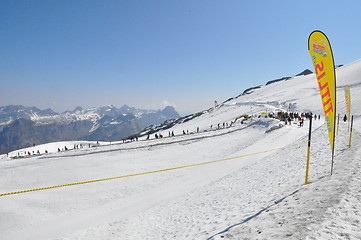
(297, 118)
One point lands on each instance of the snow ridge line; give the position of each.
(144, 173)
(177, 139)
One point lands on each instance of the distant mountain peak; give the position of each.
(169, 107)
(124, 107)
(170, 111)
(305, 72)
(78, 109)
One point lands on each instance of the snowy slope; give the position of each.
(298, 94)
(248, 196)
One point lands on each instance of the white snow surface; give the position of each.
(246, 196)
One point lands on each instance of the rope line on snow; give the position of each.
(145, 173)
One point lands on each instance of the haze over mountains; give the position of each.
(24, 126)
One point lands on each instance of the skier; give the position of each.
(345, 118)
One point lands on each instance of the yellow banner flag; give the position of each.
(348, 102)
(322, 59)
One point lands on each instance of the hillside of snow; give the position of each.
(217, 181)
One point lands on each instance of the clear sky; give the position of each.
(61, 54)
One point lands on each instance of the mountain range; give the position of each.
(25, 126)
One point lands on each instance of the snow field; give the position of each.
(261, 196)
(300, 215)
(64, 170)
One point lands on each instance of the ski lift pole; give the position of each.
(349, 143)
(308, 151)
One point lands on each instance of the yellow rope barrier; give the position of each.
(143, 173)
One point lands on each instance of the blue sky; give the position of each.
(148, 54)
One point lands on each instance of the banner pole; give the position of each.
(320, 51)
(308, 151)
(349, 143)
(338, 122)
(333, 145)
(332, 162)
(348, 105)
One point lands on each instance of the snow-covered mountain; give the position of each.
(10, 113)
(243, 180)
(22, 126)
